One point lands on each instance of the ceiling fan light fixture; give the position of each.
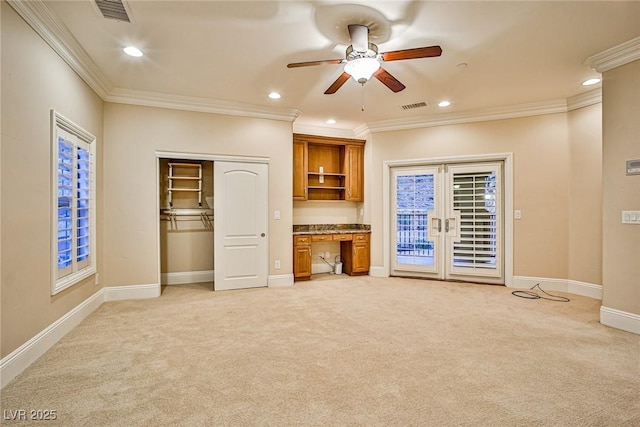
(361, 69)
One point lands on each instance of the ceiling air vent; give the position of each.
(416, 105)
(113, 9)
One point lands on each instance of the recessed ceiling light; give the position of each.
(331, 122)
(275, 95)
(133, 51)
(590, 82)
(443, 104)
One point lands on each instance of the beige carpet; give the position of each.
(352, 351)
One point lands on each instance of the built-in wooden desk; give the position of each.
(354, 247)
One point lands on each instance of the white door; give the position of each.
(449, 223)
(416, 220)
(240, 208)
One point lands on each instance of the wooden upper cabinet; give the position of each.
(327, 168)
(299, 170)
(354, 173)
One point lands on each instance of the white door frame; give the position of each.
(189, 156)
(506, 158)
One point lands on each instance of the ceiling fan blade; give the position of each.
(388, 80)
(307, 64)
(418, 52)
(337, 84)
(359, 37)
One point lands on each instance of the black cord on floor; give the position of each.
(533, 295)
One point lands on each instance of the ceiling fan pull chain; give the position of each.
(362, 97)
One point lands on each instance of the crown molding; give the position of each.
(615, 57)
(500, 113)
(60, 39)
(323, 131)
(47, 25)
(584, 99)
(55, 34)
(176, 102)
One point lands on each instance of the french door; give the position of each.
(447, 222)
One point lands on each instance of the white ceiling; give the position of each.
(516, 52)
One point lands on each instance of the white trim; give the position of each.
(560, 285)
(500, 113)
(179, 102)
(618, 319)
(616, 56)
(378, 271)
(280, 280)
(210, 157)
(184, 277)
(584, 99)
(323, 131)
(507, 158)
(18, 360)
(48, 26)
(320, 268)
(57, 36)
(74, 134)
(118, 293)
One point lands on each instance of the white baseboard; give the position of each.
(118, 293)
(184, 277)
(561, 285)
(18, 360)
(320, 268)
(375, 271)
(280, 280)
(618, 319)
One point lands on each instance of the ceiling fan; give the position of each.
(363, 61)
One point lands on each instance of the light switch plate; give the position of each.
(517, 214)
(631, 217)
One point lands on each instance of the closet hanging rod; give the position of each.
(186, 212)
(188, 165)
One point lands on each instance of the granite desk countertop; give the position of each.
(331, 229)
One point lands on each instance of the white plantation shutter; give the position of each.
(73, 187)
(475, 204)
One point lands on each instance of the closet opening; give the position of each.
(186, 198)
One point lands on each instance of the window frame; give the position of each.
(79, 138)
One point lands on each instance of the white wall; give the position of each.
(135, 133)
(35, 80)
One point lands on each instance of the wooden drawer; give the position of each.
(342, 237)
(301, 240)
(361, 237)
(321, 237)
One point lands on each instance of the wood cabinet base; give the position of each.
(354, 250)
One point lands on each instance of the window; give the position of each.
(73, 210)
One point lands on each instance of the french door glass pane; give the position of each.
(414, 199)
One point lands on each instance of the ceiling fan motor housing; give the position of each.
(352, 54)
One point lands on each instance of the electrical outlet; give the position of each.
(327, 255)
(277, 264)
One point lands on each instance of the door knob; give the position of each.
(262, 234)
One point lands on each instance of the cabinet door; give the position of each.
(300, 151)
(361, 257)
(302, 257)
(354, 171)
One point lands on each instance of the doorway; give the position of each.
(213, 220)
(447, 221)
